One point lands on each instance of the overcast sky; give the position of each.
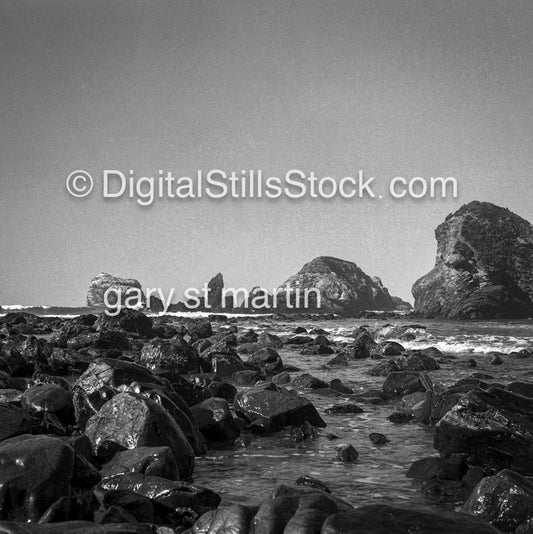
(395, 88)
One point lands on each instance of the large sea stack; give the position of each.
(344, 287)
(484, 266)
(116, 286)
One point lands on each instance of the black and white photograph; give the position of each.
(267, 267)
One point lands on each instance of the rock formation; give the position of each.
(344, 288)
(104, 282)
(484, 266)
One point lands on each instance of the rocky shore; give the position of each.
(104, 419)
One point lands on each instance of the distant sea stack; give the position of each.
(484, 266)
(103, 282)
(344, 287)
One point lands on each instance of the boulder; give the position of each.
(35, 471)
(149, 461)
(131, 321)
(215, 421)
(131, 421)
(483, 268)
(388, 519)
(505, 500)
(493, 427)
(170, 355)
(282, 406)
(402, 383)
(268, 360)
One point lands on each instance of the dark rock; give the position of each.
(35, 471)
(307, 381)
(49, 399)
(270, 340)
(402, 383)
(132, 321)
(149, 461)
(521, 388)
(483, 268)
(268, 360)
(337, 385)
(415, 361)
(133, 421)
(172, 494)
(235, 518)
(347, 454)
(13, 421)
(226, 364)
(161, 355)
(312, 482)
(344, 409)
(493, 427)
(247, 378)
(215, 421)
(378, 439)
(389, 348)
(505, 500)
(282, 406)
(387, 519)
(282, 378)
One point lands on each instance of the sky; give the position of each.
(405, 88)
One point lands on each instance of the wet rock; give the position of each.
(505, 500)
(387, 519)
(13, 421)
(270, 340)
(102, 379)
(226, 364)
(337, 385)
(172, 494)
(305, 432)
(389, 348)
(493, 427)
(131, 421)
(35, 471)
(127, 319)
(398, 384)
(215, 421)
(341, 360)
(282, 406)
(378, 439)
(49, 399)
(248, 377)
(200, 329)
(347, 454)
(282, 378)
(174, 355)
(75, 527)
(401, 417)
(312, 482)
(496, 359)
(149, 461)
(415, 361)
(268, 360)
(307, 381)
(138, 506)
(521, 388)
(234, 519)
(76, 508)
(344, 409)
